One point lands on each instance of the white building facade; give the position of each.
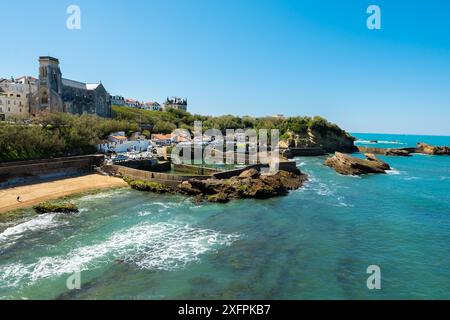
(15, 97)
(117, 101)
(152, 106)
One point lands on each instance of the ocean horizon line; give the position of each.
(403, 134)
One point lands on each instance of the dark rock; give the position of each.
(250, 185)
(219, 198)
(287, 154)
(291, 143)
(398, 152)
(250, 173)
(348, 165)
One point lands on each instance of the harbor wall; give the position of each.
(192, 169)
(304, 152)
(171, 180)
(34, 171)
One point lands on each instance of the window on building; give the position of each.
(44, 99)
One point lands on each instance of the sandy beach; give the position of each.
(31, 195)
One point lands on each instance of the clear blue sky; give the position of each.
(251, 57)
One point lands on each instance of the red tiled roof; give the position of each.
(119, 137)
(183, 139)
(161, 136)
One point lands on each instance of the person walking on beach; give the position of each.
(18, 199)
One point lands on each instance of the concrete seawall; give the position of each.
(171, 180)
(198, 170)
(289, 166)
(33, 171)
(303, 152)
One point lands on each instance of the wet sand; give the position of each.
(33, 194)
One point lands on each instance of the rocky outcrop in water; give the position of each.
(421, 148)
(348, 165)
(398, 152)
(150, 186)
(249, 184)
(403, 152)
(432, 150)
(47, 207)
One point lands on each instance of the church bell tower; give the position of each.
(50, 84)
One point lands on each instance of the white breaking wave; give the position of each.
(144, 213)
(167, 206)
(379, 142)
(412, 178)
(103, 195)
(155, 208)
(164, 205)
(161, 246)
(364, 141)
(324, 190)
(391, 142)
(393, 172)
(314, 185)
(342, 203)
(42, 222)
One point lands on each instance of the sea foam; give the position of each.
(42, 222)
(104, 195)
(393, 172)
(379, 142)
(161, 246)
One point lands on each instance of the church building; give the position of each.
(57, 94)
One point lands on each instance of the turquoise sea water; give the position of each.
(315, 243)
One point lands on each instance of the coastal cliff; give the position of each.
(332, 140)
(318, 141)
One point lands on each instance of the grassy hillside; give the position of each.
(56, 134)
